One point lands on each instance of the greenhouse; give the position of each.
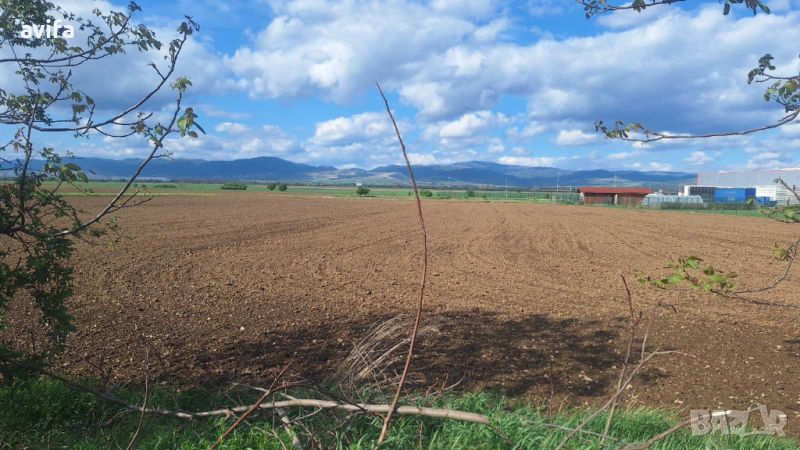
(655, 200)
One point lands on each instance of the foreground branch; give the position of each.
(424, 277)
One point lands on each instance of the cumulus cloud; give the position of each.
(231, 128)
(576, 137)
(347, 130)
(770, 160)
(471, 124)
(367, 138)
(624, 155)
(673, 70)
(118, 81)
(538, 161)
(698, 158)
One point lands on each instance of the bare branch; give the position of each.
(252, 409)
(424, 276)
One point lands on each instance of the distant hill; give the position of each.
(469, 173)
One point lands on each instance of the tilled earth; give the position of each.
(527, 299)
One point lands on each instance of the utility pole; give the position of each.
(506, 185)
(558, 180)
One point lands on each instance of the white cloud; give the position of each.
(496, 146)
(575, 137)
(624, 155)
(231, 128)
(698, 158)
(660, 167)
(531, 130)
(435, 60)
(791, 130)
(471, 124)
(465, 8)
(541, 161)
(360, 127)
(422, 158)
(339, 49)
(770, 160)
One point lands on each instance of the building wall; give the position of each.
(748, 178)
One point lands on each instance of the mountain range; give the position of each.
(469, 173)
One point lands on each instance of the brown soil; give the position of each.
(527, 298)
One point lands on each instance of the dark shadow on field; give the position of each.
(532, 355)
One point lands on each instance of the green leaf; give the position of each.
(674, 278)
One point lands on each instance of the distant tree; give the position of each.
(234, 187)
(271, 186)
(470, 193)
(426, 193)
(362, 191)
(40, 226)
(283, 187)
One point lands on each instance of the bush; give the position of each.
(362, 191)
(271, 186)
(426, 193)
(234, 187)
(165, 186)
(282, 187)
(470, 193)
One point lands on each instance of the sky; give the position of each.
(511, 82)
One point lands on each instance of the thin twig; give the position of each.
(254, 407)
(144, 402)
(418, 317)
(793, 250)
(287, 424)
(634, 322)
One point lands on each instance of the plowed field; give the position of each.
(527, 298)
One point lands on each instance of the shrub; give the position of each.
(234, 187)
(165, 186)
(362, 191)
(283, 187)
(470, 193)
(271, 186)
(426, 193)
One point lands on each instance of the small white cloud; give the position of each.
(541, 161)
(624, 155)
(791, 130)
(359, 127)
(231, 128)
(496, 146)
(575, 137)
(530, 131)
(770, 160)
(660, 167)
(471, 124)
(422, 158)
(698, 158)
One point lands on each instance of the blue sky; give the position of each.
(512, 82)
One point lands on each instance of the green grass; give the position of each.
(108, 188)
(41, 413)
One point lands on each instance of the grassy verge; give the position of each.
(41, 413)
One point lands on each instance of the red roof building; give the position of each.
(613, 195)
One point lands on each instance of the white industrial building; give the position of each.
(749, 178)
(762, 180)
